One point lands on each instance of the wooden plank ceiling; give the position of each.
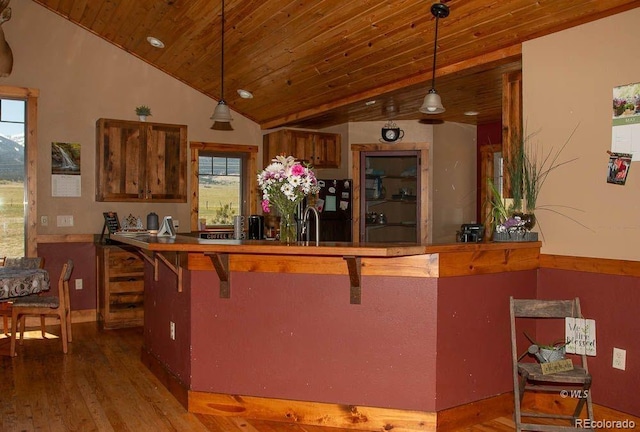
(314, 63)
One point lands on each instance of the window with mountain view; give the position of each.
(12, 177)
(220, 189)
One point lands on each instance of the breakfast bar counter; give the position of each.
(286, 341)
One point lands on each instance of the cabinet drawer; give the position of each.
(126, 300)
(129, 286)
(125, 263)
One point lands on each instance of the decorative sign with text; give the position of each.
(580, 336)
(556, 366)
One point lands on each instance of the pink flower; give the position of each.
(265, 206)
(297, 170)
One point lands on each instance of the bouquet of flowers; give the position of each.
(284, 183)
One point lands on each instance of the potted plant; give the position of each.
(143, 112)
(526, 170)
(547, 353)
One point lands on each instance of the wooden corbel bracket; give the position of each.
(355, 266)
(220, 262)
(151, 260)
(174, 267)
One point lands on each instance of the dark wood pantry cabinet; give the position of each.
(140, 161)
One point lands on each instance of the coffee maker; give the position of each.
(256, 227)
(470, 233)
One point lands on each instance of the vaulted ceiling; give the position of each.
(316, 63)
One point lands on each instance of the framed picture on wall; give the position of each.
(619, 164)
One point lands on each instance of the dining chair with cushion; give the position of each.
(18, 262)
(24, 262)
(42, 306)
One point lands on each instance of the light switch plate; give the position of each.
(64, 221)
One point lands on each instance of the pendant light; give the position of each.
(432, 103)
(222, 115)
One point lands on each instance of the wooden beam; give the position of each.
(496, 56)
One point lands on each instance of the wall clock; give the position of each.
(391, 132)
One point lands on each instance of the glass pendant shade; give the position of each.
(222, 117)
(432, 103)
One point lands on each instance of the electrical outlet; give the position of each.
(176, 224)
(65, 221)
(172, 330)
(44, 220)
(619, 358)
(78, 284)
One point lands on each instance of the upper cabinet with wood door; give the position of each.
(140, 161)
(322, 150)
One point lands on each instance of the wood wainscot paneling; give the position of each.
(486, 260)
(591, 265)
(414, 266)
(312, 413)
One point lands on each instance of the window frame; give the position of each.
(30, 96)
(249, 174)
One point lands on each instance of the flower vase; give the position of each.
(288, 228)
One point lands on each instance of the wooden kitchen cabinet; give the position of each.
(140, 161)
(320, 149)
(120, 287)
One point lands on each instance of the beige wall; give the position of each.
(82, 78)
(568, 79)
(454, 179)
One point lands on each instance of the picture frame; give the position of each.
(619, 165)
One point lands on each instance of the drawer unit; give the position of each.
(120, 287)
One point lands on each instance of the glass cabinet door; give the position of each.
(390, 186)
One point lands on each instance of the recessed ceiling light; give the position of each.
(155, 42)
(369, 103)
(471, 113)
(244, 94)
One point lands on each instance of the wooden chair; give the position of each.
(529, 377)
(45, 306)
(21, 262)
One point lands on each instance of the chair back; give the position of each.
(530, 308)
(63, 285)
(545, 309)
(24, 262)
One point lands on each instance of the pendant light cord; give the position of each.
(222, 57)
(435, 50)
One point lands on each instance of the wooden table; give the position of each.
(18, 282)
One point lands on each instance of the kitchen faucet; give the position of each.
(305, 223)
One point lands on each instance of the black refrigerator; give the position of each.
(334, 203)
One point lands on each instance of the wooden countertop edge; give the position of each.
(191, 244)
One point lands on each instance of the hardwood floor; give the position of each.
(101, 385)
